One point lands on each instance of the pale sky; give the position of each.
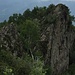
(8, 7)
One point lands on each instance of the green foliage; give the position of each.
(8, 71)
(72, 52)
(37, 68)
(48, 71)
(41, 12)
(3, 24)
(35, 12)
(50, 8)
(51, 18)
(70, 71)
(72, 18)
(13, 18)
(27, 14)
(29, 32)
(18, 65)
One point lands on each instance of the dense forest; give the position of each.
(27, 30)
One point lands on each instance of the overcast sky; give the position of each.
(8, 7)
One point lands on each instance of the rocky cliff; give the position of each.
(10, 40)
(57, 39)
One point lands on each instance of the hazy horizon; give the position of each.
(8, 8)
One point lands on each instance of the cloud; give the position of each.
(41, 0)
(68, 0)
(3, 11)
(44, 0)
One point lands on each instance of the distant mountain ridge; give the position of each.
(8, 8)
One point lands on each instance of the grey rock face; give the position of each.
(10, 40)
(58, 38)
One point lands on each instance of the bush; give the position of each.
(8, 71)
(70, 71)
(13, 65)
(18, 65)
(37, 68)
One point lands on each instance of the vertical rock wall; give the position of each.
(59, 37)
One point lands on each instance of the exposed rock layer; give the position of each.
(57, 39)
(10, 40)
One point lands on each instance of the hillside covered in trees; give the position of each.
(38, 42)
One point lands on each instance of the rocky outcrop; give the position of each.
(10, 40)
(57, 39)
